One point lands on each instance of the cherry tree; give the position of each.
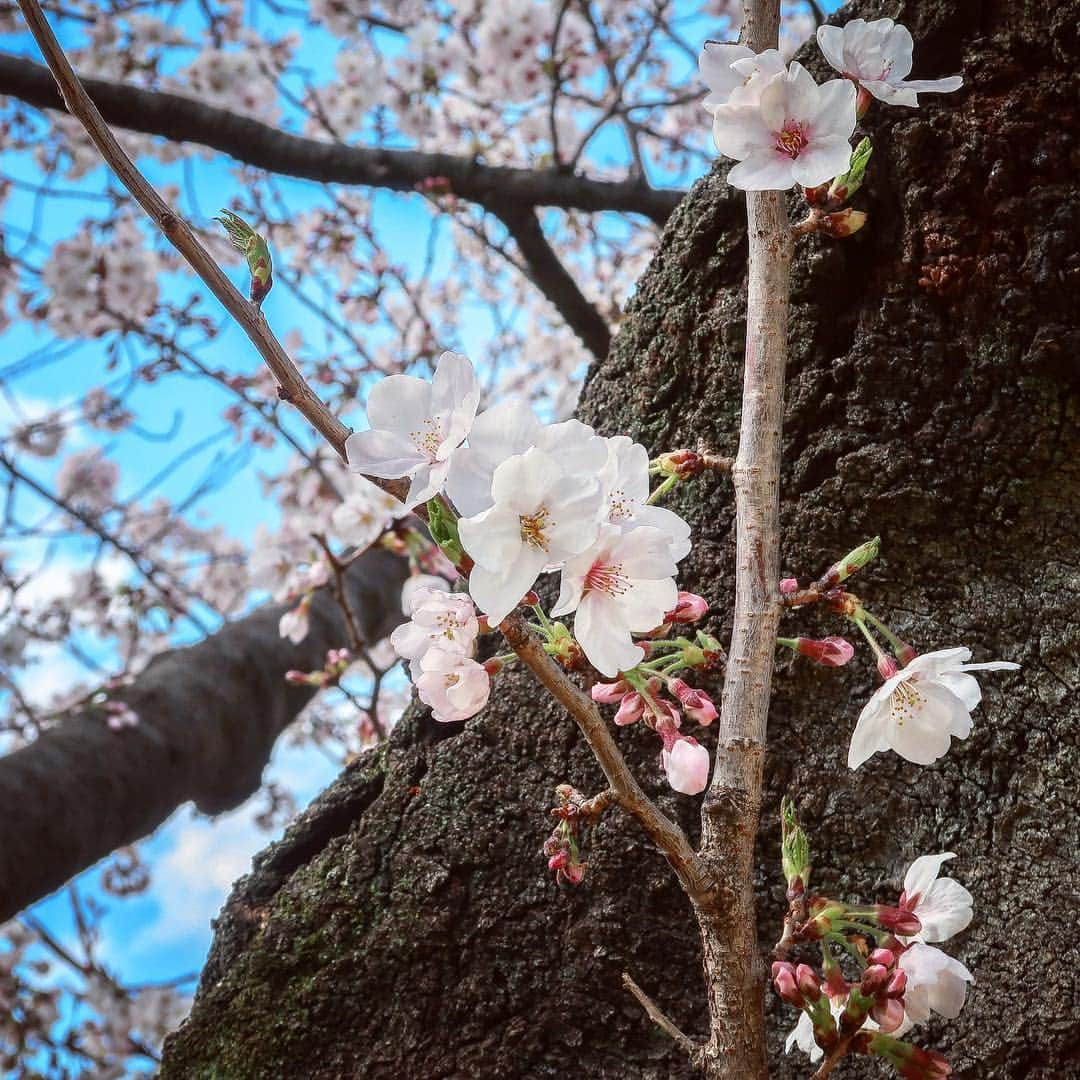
(478, 504)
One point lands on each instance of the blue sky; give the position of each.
(165, 931)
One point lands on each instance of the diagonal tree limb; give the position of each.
(209, 715)
(550, 276)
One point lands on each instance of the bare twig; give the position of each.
(680, 1038)
(292, 387)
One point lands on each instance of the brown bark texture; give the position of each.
(407, 927)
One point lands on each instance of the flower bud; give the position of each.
(830, 652)
(897, 984)
(493, 666)
(698, 705)
(689, 609)
(808, 982)
(905, 653)
(851, 562)
(885, 957)
(789, 586)
(874, 979)
(887, 1014)
(609, 693)
(681, 463)
(783, 975)
(630, 709)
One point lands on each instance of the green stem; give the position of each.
(662, 490)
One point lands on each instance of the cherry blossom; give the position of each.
(542, 515)
(511, 428)
(735, 74)
(88, 479)
(942, 905)
(452, 685)
(687, 765)
(440, 619)
(878, 56)
(625, 480)
(916, 711)
(364, 514)
(621, 585)
(797, 132)
(416, 426)
(936, 982)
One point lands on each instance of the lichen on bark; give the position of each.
(407, 927)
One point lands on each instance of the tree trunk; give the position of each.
(407, 926)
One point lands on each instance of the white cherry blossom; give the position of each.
(943, 905)
(416, 426)
(440, 619)
(364, 514)
(508, 429)
(625, 481)
(878, 56)
(918, 710)
(936, 982)
(623, 584)
(452, 685)
(796, 133)
(542, 515)
(735, 73)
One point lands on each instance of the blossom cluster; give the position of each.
(513, 499)
(781, 126)
(901, 979)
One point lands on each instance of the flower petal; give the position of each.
(382, 453)
(765, 170)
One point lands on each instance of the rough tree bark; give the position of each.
(209, 716)
(407, 927)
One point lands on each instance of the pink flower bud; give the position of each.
(687, 766)
(689, 609)
(831, 651)
(789, 586)
(874, 980)
(885, 957)
(887, 667)
(887, 1014)
(609, 693)
(905, 923)
(698, 705)
(786, 987)
(559, 860)
(808, 982)
(897, 984)
(630, 709)
(493, 666)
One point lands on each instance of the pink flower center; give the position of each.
(792, 139)
(606, 578)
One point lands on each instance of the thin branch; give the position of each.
(183, 119)
(292, 387)
(734, 972)
(680, 1038)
